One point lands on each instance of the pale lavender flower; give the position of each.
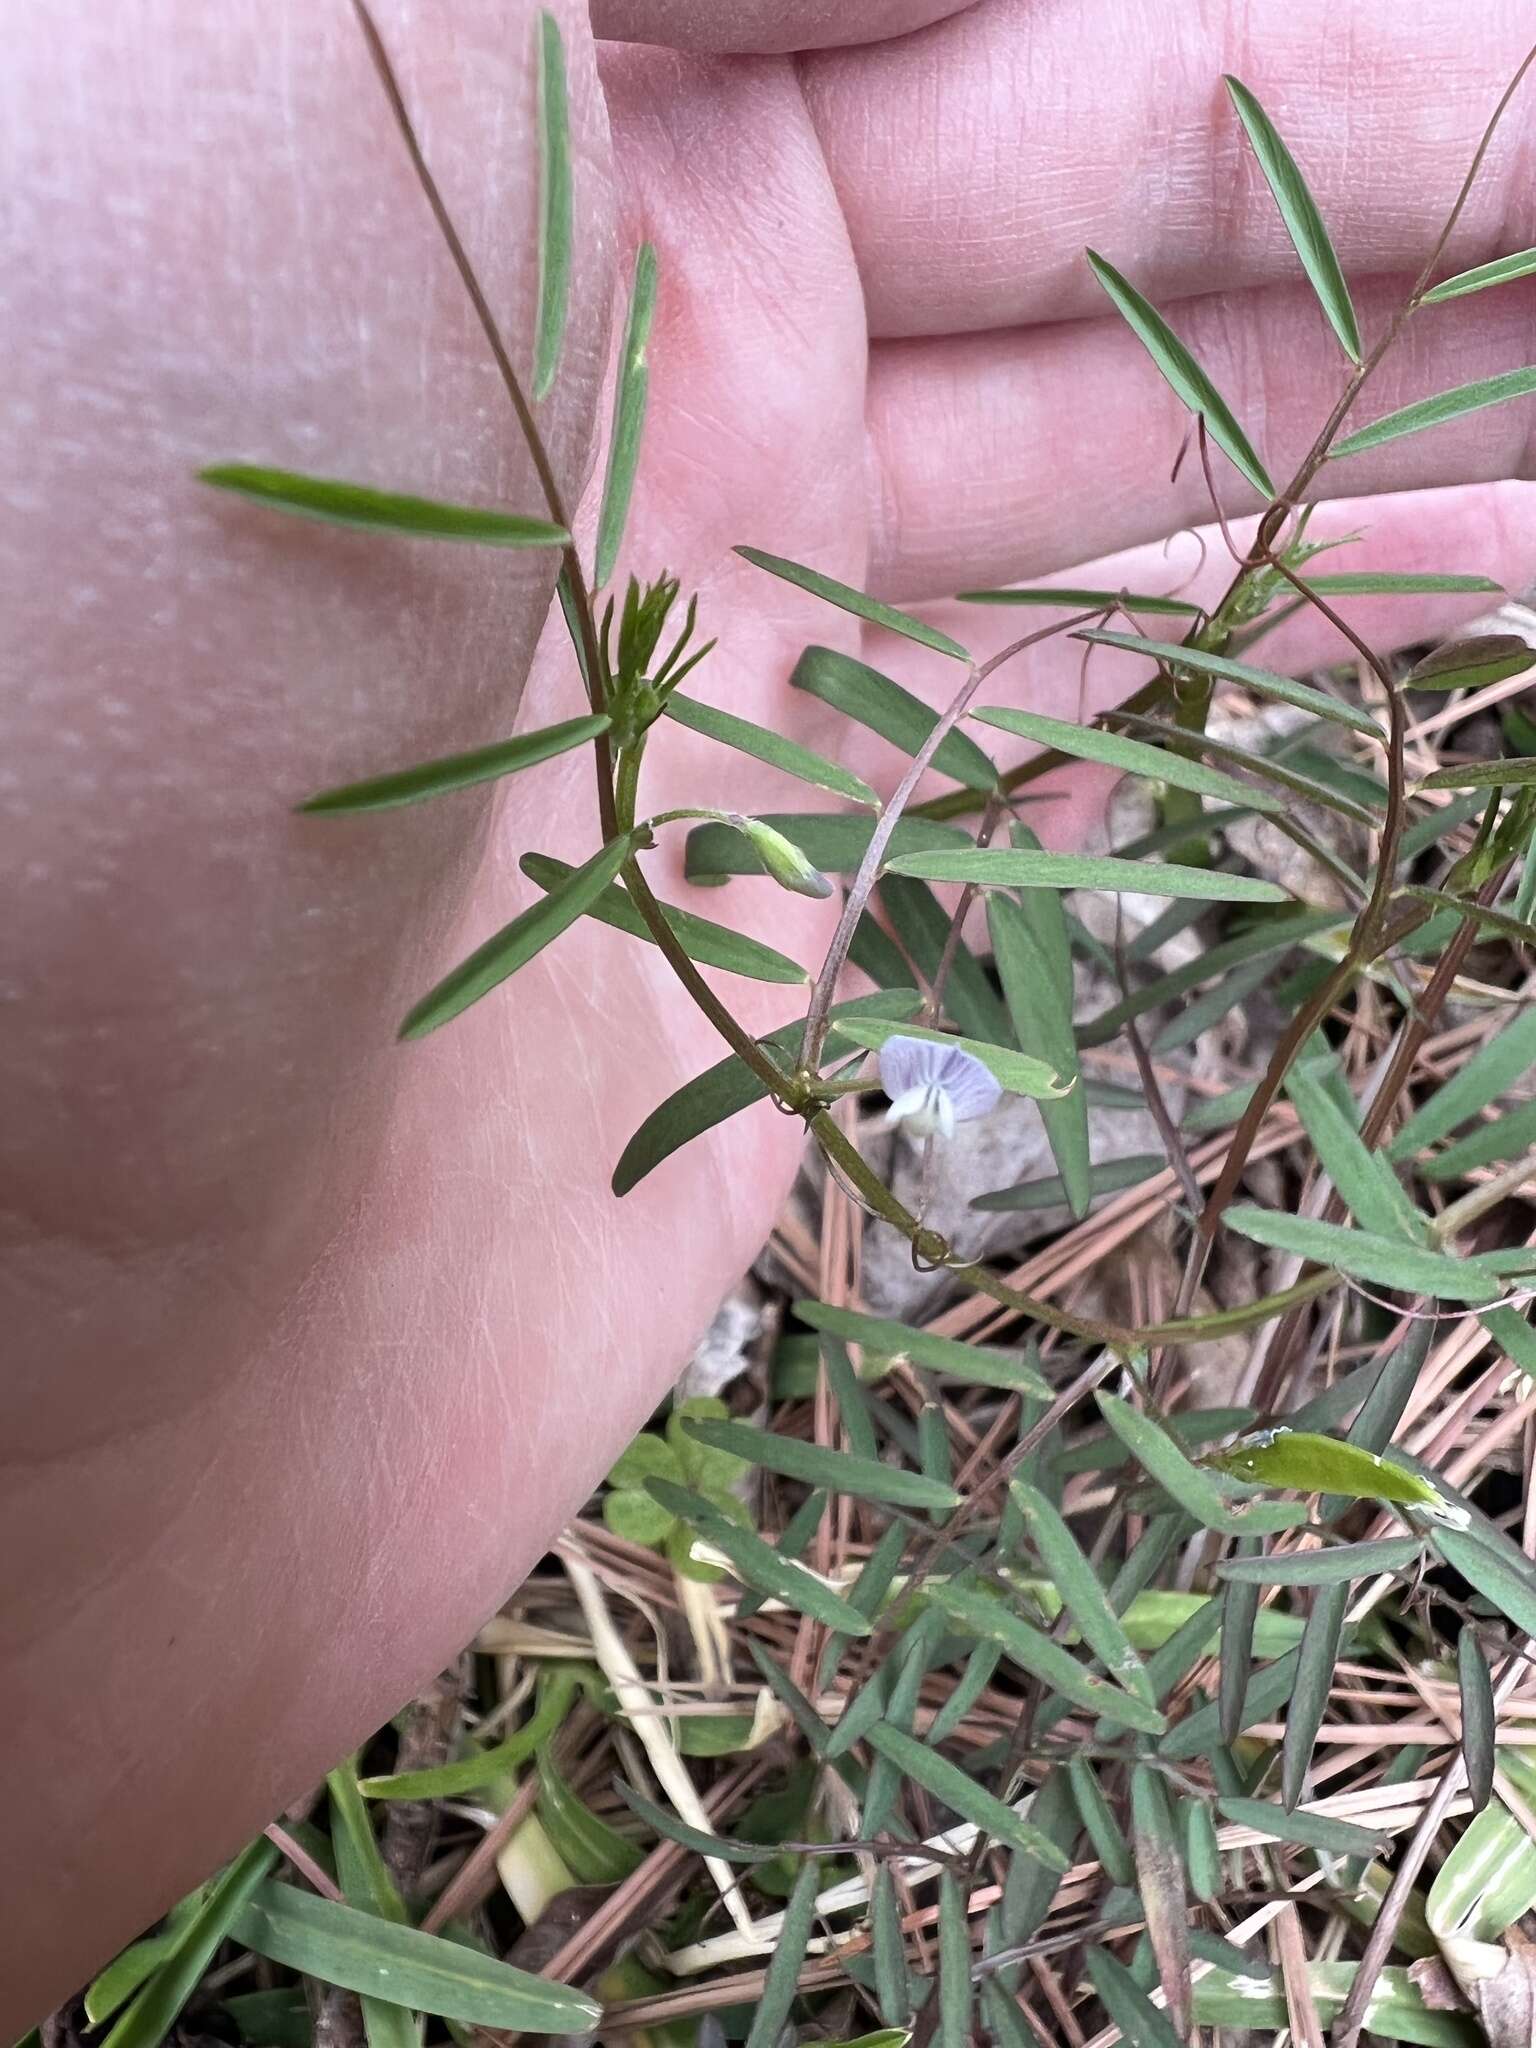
(934, 1086)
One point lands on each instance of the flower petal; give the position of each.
(968, 1085)
(908, 1063)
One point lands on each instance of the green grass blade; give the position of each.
(154, 2011)
(847, 599)
(1015, 1071)
(1303, 222)
(485, 1766)
(629, 403)
(1262, 682)
(518, 942)
(817, 1465)
(457, 771)
(871, 699)
(342, 504)
(959, 1791)
(1132, 757)
(1502, 270)
(1382, 1261)
(883, 1338)
(1188, 381)
(728, 1087)
(712, 945)
(554, 206)
(339, 1945)
(1012, 868)
(366, 1884)
(1032, 953)
(1434, 412)
(763, 745)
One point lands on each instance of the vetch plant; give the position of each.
(986, 1694)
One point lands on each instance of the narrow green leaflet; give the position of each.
(1478, 1717)
(1033, 956)
(883, 1338)
(1384, 1262)
(871, 699)
(1312, 1830)
(1372, 583)
(922, 929)
(1012, 868)
(1197, 1734)
(591, 1850)
(1491, 1573)
(946, 1781)
(1489, 1144)
(980, 1615)
(1434, 412)
(1471, 663)
(1015, 1071)
(1339, 1564)
(711, 944)
(862, 1478)
(1202, 1856)
(338, 1945)
(1502, 270)
(1092, 743)
(1262, 681)
(1189, 1485)
(1509, 772)
(847, 599)
(763, 745)
(1188, 381)
(1080, 1589)
(833, 841)
(517, 943)
(1239, 1621)
(1363, 1177)
(1271, 768)
(671, 1829)
(729, 1086)
(758, 1563)
(629, 403)
(1268, 938)
(1316, 1661)
(1050, 1192)
(1073, 599)
(554, 206)
(154, 2011)
(1492, 1069)
(1303, 222)
(485, 1766)
(457, 771)
(777, 1998)
(344, 504)
(1099, 1822)
(954, 2028)
(891, 1987)
(1141, 2024)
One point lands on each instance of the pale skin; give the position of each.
(313, 1342)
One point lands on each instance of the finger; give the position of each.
(1483, 529)
(974, 161)
(764, 25)
(225, 256)
(996, 457)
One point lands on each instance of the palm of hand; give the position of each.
(383, 1324)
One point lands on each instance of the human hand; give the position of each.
(316, 1340)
